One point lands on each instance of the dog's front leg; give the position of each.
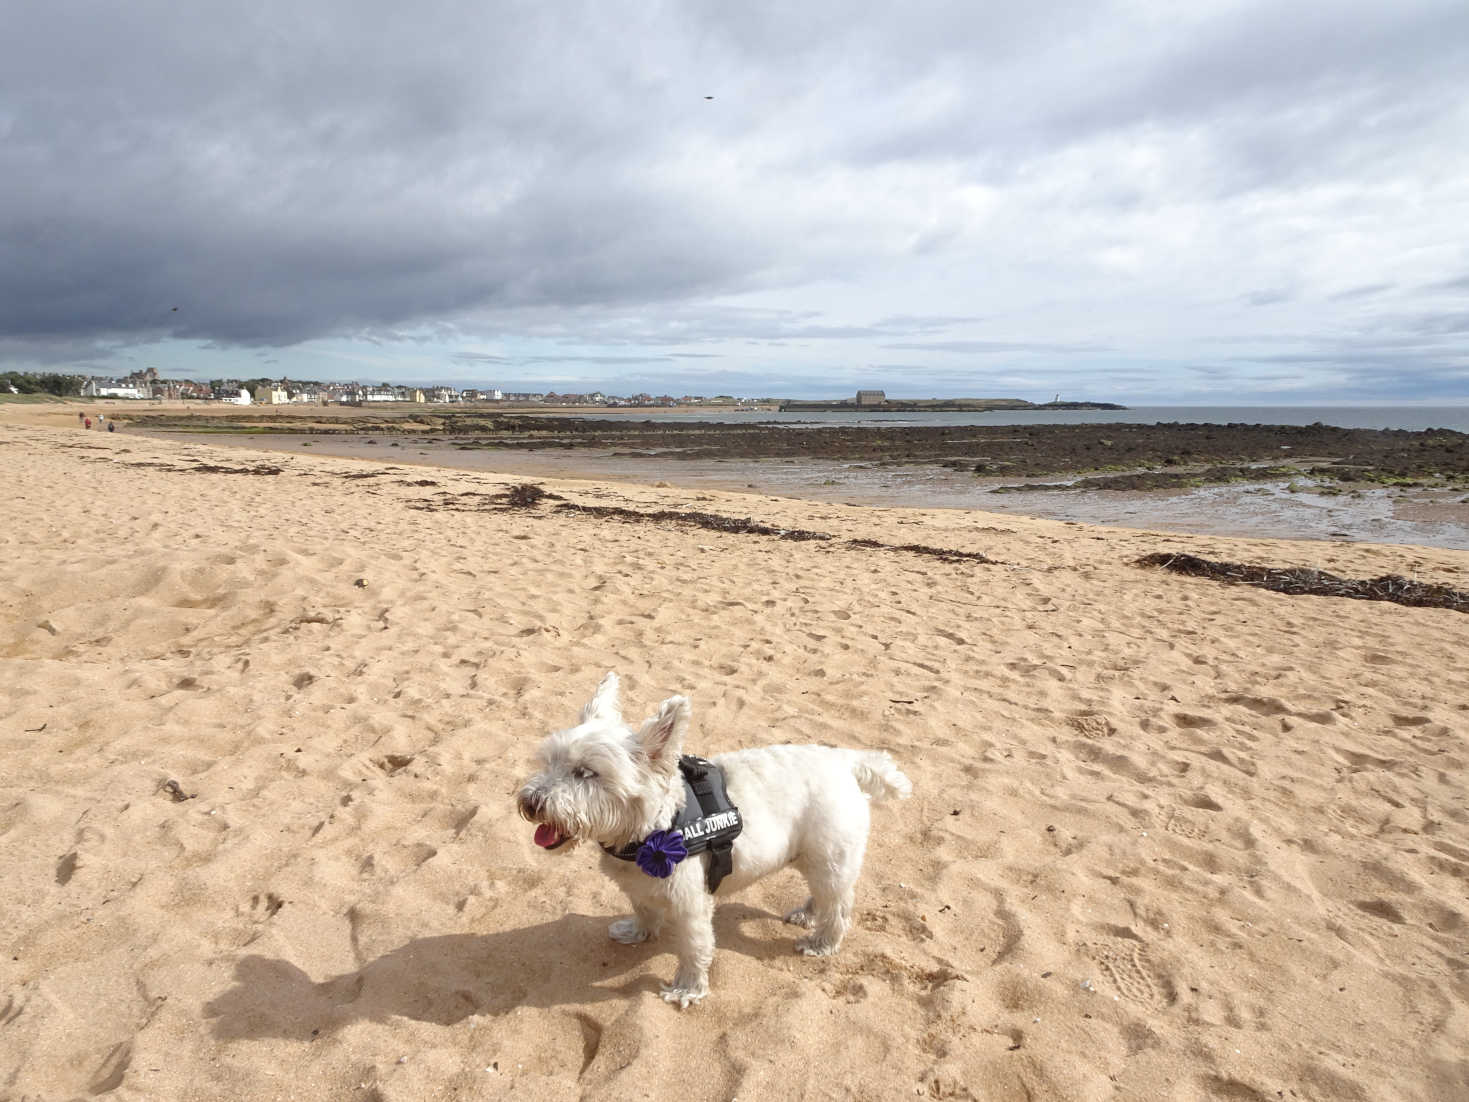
(692, 926)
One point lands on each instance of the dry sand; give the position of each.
(1170, 839)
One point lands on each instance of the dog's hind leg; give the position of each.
(832, 877)
(801, 916)
(642, 925)
(831, 918)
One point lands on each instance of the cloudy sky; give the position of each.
(1213, 202)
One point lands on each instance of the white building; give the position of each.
(110, 388)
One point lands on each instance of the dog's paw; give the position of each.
(815, 947)
(683, 997)
(801, 916)
(629, 931)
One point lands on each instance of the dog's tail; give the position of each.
(879, 776)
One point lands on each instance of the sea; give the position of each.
(1416, 418)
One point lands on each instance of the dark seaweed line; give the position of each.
(1300, 581)
(208, 468)
(712, 521)
(747, 526)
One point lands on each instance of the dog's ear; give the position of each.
(603, 704)
(661, 737)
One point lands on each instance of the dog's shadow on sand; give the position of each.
(451, 977)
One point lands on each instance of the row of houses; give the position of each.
(147, 384)
(353, 395)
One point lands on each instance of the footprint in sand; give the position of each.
(1092, 725)
(849, 989)
(1185, 826)
(1128, 970)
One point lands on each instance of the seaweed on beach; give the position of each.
(526, 495)
(444, 501)
(1303, 581)
(207, 468)
(943, 554)
(712, 521)
(215, 468)
(747, 526)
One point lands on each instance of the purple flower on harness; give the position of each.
(660, 851)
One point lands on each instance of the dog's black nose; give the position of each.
(530, 804)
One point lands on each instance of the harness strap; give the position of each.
(708, 821)
(700, 776)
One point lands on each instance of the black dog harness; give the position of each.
(708, 821)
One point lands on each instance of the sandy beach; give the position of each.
(262, 717)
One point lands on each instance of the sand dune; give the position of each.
(1169, 839)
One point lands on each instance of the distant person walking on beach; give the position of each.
(111, 426)
(87, 421)
(80, 416)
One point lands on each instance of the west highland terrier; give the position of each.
(664, 824)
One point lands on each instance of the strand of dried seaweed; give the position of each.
(712, 521)
(945, 554)
(1302, 581)
(747, 526)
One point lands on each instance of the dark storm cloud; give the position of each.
(284, 173)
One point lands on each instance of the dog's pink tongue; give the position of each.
(547, 836)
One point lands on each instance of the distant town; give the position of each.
(148, 385)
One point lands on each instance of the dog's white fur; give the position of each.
(807, 806)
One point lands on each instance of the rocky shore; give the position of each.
(1120, 452)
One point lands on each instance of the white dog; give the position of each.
(603, 782)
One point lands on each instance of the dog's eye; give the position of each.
(582, 773)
